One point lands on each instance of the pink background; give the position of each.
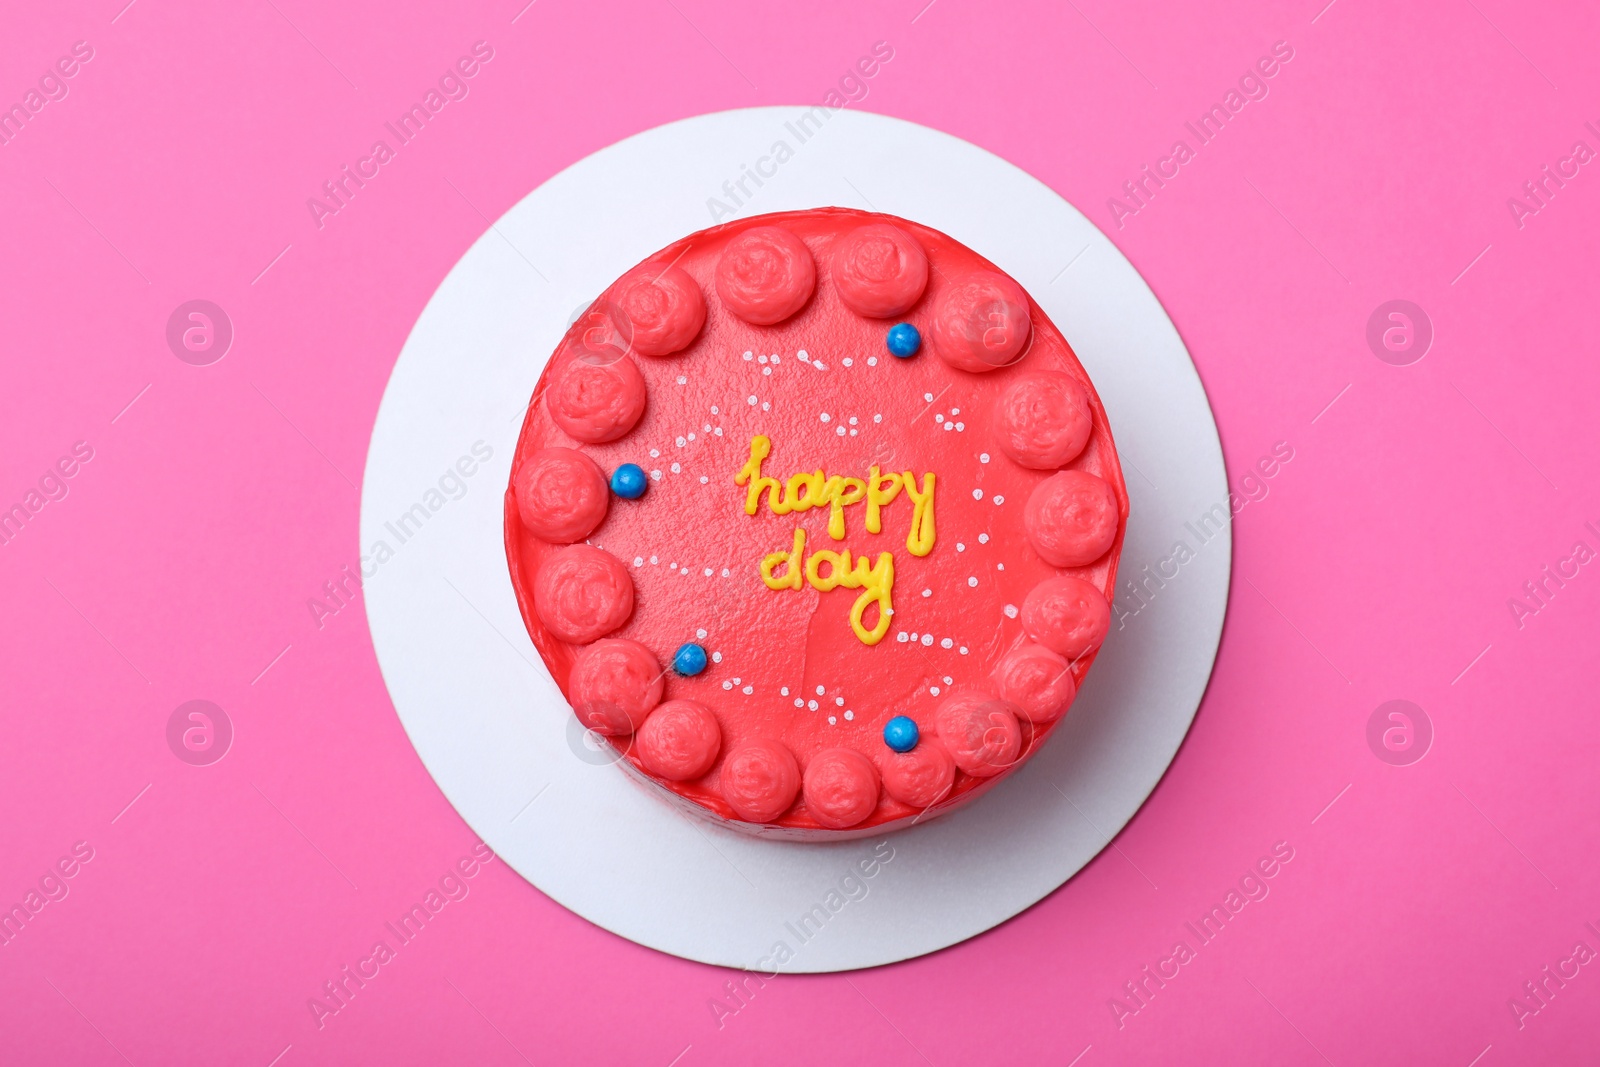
(1379, 566)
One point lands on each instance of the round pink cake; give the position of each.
(815, 517)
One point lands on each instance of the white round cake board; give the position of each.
(485, 715)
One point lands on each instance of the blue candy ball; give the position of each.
(689, 660)
(904, 341)
(628, 481)
(900, 734)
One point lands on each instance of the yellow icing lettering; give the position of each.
(841, 493)
(760, 448)
(920, 539)
(823, 569)
(875, 580)
(881, 490)
(838, 569)
(876, 583)
(793, 578)
(805, 491)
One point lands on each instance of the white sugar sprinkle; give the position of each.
(977, 494)
(938, 417)
(751, 400)
(799, 703)
(927, 592)
(983, 539)
(724, 572)
(638, 561)
(812, 704)
(825, 417)
(972, 582)
(677, 468)
(680, 442)
(999, 500)
(960, 547)
(727, 685)
(761, 359)
(961, 427)
(963, 650)
(852, 420)
(901, 637)
(654, 453)
(683, 570)
(718, 431)
(820, 690)
(708, 574)
(716, 657)
(766, 370)
(749, 355)
(928, 397)
(1011, 611)
(949, 680)
(775, 358)
(955, 411)
(654, 560)
(933, 690)
(801, 355)
(747, 690)
(832, 721)
(691, 436)
(872, 361)
(700, 634)
(983, 457)
(682, 380)
(913, 635)
(713, 411)
(853, 432)
(656, 475)
(765, 406)
(839, 430)
(736, 681)
(949, 425)
(704, 479)
(927, 639)
(849, 715)
(877, 418)
(846, 361)
(784, 691)
(839, 701)
(946, 643)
